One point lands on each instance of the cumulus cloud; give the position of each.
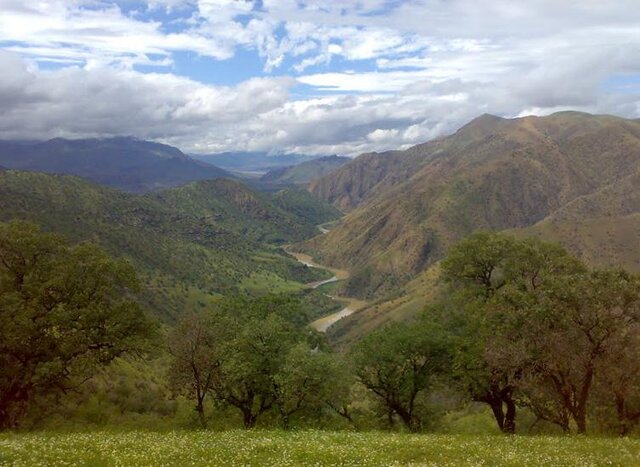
(72, 68)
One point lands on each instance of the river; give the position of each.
(352, 304)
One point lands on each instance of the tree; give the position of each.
(563, 334)
(398, 363)
(63, 311)
(482, 270)
(308, 379)
(196, 347)
(253, 355)
(475, 270)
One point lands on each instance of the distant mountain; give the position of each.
(126, 163)
(569, 176)
(256, 163)
(190, 244)
(304, 172)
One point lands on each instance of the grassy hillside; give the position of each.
(190, 244)
(305, 172)
(126, 163)
(492, 174)
(264, 448)
(305, 206)
(233, 205)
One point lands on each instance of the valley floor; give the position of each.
(351, 304)
(310, 448)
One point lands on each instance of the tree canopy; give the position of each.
(63, 311)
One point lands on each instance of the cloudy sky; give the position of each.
(321, 77)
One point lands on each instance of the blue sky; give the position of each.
(321, 77)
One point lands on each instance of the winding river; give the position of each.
(351, 304)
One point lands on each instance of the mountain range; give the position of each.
(126, 163)
(570, 177)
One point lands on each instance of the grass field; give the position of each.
(310, 448)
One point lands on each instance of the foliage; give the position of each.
(255, 356)
(305, 205)
(399, 363)
(63, 311)
(533, 326)
(188, 246)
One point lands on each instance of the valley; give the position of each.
(316, 233)
(351, 305)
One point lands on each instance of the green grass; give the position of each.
(310, 448)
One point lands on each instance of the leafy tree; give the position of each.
(63, 311)
(398, 363)
(308, 379)
(534, 327)
(480, 269)
(195, 345)
(253, 356)
(566, 333)
(475, 269)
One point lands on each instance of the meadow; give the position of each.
(281, 448)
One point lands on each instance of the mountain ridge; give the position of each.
(406, 207)
(126, 163)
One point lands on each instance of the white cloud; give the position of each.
(437, 64)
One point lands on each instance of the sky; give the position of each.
(314, 77)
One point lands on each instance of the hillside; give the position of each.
(408, 207)
(304, 205)
(304, 172)
(190, 244)
(233, 205)
(126, 163)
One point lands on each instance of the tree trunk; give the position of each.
(249, 419)
(285, 420)
(498, 413)
(509, 424)
(201, 415)
(407, 418)
(581, 422)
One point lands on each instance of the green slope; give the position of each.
(190, 244)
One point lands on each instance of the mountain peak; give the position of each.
(482, 124)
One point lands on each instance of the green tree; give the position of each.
(196, 347)
(398, 363)
(482, 270)
(251, 354)
(565, 335)
(475, 270)
(308, 379)
(63, 311)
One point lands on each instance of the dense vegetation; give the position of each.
(522, 325)
(63, 311)
(189, 244)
